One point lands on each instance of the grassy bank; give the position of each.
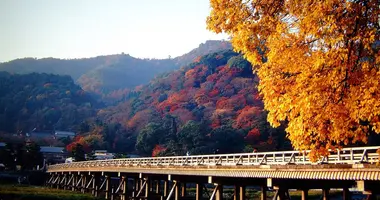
(12, 192)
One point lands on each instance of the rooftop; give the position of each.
(47, 149)
(64, 133)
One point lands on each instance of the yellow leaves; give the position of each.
(321, 72)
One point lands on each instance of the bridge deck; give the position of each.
(357, 163)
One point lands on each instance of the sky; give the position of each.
(88, 28)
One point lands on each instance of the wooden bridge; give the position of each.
(171, 177)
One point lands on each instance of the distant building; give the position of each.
(40, 135)
(69, 160)
(103, 155)
(54, 154)
(64, 134)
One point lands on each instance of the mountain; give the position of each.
(210, 104)
(43, 102)
(110, 76)
(210, 46)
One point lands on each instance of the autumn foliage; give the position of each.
(157, 150)
(209, 92)
(318, 64)
(197, 92)
(78, 140)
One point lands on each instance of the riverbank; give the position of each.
(17, 192)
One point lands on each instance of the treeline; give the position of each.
(42, 102)
(25, 155)
(209, 105)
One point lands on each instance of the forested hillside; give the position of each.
(209, 105)
(112, 76)
(43, 102)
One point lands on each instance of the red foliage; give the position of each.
(183, 114)
(190, 73)
(247, 117)
(215, 123)
(197, 59)
(157, 149)
(212, 78)
(78, 140)
(252, 136)
(214, 93)
(201, 98)
(221, 103)
(140, 119)
(200, 93)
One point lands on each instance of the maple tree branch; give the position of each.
(350, 44)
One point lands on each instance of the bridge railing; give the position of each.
(340, 156)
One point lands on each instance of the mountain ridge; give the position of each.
(105, 74)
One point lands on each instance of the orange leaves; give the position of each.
(318, 71)
(157, 150)
(214, 93)
(141, 118)
(78, 140)
(252, 136)
(190, 73)
(183, 114)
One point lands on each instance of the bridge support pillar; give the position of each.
(241, 192)
(58, 180)
(151, 185)
(135, 187)
(124, 182)
(198, 191)
(65, 181)
(281, 194)
(84, 183)
(177, 191)
(96, 193)
(148, 187)
(305, 194)
(346, 194)
(264, 192)
(158, 186)
(165, 192)
(93, 184)
(108, 187)
(183, 190)
(325, 193)
(219, 192)
(74, 181)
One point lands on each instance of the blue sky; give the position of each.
(87, 28)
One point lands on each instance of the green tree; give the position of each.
(241, 64)
(227, 140)
(9, 156)
(149, 137)
(32, 156)
(192, 138)
(78, 153)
